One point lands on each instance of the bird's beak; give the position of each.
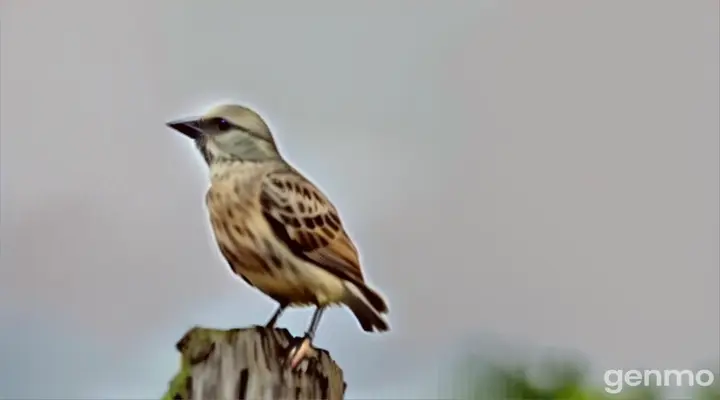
(189, 127)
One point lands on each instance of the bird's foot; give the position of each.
(300, 349)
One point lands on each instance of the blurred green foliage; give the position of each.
(548, 380)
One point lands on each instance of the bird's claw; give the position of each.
(299, 350)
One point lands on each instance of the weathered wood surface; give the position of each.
(247, 364)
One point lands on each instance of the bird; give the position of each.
(276, 229)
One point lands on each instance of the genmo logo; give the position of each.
(617, 379)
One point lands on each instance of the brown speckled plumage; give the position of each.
(268, 219)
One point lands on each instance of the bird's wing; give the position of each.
(304, 219)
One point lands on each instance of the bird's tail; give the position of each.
(367, 306)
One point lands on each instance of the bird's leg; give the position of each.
(273, 320)
(301, 349)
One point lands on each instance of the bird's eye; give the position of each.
(223, 125)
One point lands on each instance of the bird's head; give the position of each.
(229, 132)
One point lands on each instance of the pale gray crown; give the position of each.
(242, 117)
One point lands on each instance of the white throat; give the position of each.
(241, 147)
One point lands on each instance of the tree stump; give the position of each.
(247, 364)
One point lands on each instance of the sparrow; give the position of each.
(275, 228)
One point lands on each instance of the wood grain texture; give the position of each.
(246, 364)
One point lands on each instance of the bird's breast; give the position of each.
(234, 222)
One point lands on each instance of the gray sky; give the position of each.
(539, 173)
